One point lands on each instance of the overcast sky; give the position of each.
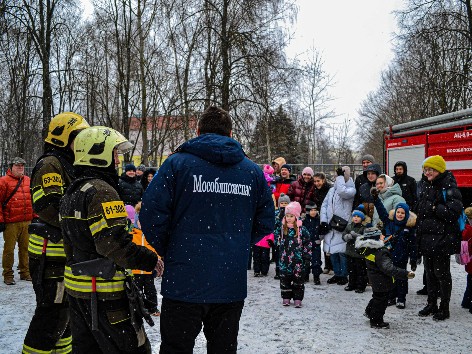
(355, 40)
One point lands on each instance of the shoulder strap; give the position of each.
(4, 204)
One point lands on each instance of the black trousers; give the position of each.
(438, 277)
(400, 286)
(292, 286)
(181, 322)
(357, 272)
(261, 256)
(145, 283)
(377, 305)
(115, 332)
(49, 328)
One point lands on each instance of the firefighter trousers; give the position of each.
(49, 330)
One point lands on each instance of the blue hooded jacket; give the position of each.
(200, 213)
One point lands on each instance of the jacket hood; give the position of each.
(214, 148)
(362, 242)
(403, 164)
(393, 190)
(445, 180)
(9, 173)
(411, 222)
(280, 161)
(375, 167)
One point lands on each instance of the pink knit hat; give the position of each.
(131, 212)
(268, 169)
(293, 208)
(308, 171)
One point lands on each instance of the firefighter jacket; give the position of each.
(18, 207)
(94, 225)
(51, 176)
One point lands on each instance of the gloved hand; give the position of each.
(159, 267)
(374, 192)
(324, 228)
(270, 242)
(413, 266)
(348, 237)
(340, 171)
(318, 242)
(411, 275)
(418, 261)
(2, 226)
(346, 173)
(281, 213)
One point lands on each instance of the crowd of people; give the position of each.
(92, 242)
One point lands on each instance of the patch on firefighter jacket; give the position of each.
(115, 209)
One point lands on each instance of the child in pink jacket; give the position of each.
(261, 255)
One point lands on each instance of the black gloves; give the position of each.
(340, 171)
(374, 192)
(281, 213)
(271, 243)
(324, 228)
(2, 226)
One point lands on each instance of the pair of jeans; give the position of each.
(181, 322)
(339, 264)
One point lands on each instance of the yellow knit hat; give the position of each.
(437, 162)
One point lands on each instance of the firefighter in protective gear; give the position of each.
(49, 329)
(105, 313)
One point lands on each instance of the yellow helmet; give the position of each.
(61, 127)
(94, 146)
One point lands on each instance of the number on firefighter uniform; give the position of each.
(52, 179)
(115, 209)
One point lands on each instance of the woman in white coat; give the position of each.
(338, 202)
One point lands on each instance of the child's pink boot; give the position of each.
(286, 302)
(298, 303)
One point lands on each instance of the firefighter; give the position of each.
(49, 328)
(106, 310)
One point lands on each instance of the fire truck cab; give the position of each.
(448, 135)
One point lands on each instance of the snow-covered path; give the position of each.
(331, 321)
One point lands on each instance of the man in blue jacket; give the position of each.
(201, 213)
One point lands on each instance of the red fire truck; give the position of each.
(448, 135)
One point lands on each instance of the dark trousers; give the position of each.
(261, 256)
(328, 264)
(276, 256)
(115, 332)
(181, 322)
(249, 261)
(467, 299)
(357, 272)
(438, 277)
(316, 260)
(49, 328)
(400, 286)
(377, 305)
(292, 286)
(145, 283)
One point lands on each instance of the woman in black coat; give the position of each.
(438, 234)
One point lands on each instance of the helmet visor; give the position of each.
(124, 147)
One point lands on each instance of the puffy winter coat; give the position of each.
(390, 199)
(19, 207)
(140, 240)
(380, 268)
(437, 230)
(403, 241)
(293, 250)
(467, 236)
(130, 189)
(319, 195)
(407, 184)
(350, 244)
(338, 202)
(201, 212)
(301, 191)
(362, 193)
(282, 185)
(313, 227)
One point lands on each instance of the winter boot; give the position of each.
(286, 302)
(298, 303)
(349, 288)
(360, 290)
(430, 309)
(443, 312)
(391, 302)
(423, 291)
(256, 275)
(342, 281)
(333, 280)
(316, 280)
(379, 324)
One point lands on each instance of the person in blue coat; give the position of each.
(201, 213)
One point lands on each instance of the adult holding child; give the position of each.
(337, 205)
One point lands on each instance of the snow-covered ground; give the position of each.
(330, 321)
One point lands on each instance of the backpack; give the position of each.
(462, 220)
(463, 257)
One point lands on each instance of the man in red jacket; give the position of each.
(16, 214)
